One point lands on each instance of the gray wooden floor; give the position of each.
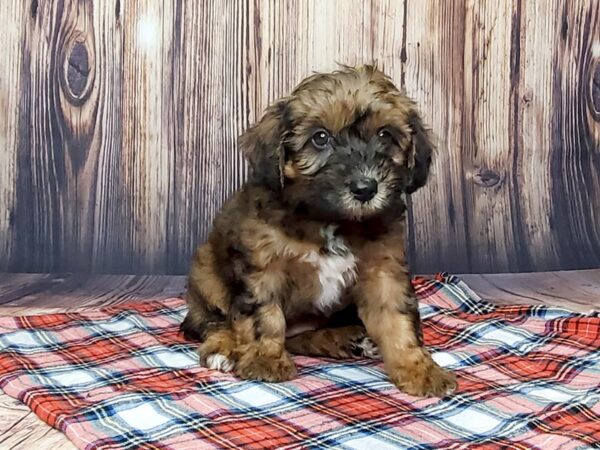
(43, 293)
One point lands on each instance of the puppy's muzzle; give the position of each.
(364, 189)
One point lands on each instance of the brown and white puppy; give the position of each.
(319, 227)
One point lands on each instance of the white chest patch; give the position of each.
(336, 270)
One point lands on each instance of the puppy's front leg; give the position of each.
(388, 307)
(260, 333)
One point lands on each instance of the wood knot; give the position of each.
(77, 79)
(487, 178)
(78, 70)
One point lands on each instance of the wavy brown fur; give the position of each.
(295, 246)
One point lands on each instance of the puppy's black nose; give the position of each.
(364, 189)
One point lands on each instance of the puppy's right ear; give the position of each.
(262, 145)
(420, 154)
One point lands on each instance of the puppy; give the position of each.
(319, 228)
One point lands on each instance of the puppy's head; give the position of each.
(344, 145)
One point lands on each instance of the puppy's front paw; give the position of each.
(422, 377)
(219, 362)
(216, 352)
(255, 365)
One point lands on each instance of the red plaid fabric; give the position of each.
(124, 378)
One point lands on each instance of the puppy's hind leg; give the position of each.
(339, 343)
(207, 296)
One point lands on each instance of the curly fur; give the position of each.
(304, 240)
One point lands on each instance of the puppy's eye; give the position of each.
(321, 139)
(384, 133)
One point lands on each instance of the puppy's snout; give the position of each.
(364, 189)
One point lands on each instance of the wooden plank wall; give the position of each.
(120, 119)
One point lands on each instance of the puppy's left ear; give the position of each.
(420, 154)
(262, 145)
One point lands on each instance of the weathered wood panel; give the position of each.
(575, 125)
(13, 13)
(434, 76)
(558, 158)
(119, 141)
(211, 89)
(148, 132)
(488, 152)
(531, 103)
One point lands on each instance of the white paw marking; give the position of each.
(220, 362)
(368, 348)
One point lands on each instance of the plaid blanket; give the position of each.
(123, 377)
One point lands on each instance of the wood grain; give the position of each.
(148, 134)
(577, 290)
(575, 131)
(488, 153)
(211, 110)
(119, 142)
(31, 293)
(433, 76)
(10, 83)
(532, 73)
